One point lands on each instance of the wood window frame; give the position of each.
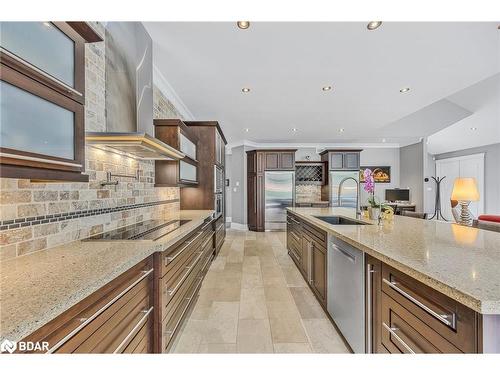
(24, 75)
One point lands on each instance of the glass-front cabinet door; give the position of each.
(188, 173)
(42, 100)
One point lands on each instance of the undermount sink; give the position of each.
(340, 220)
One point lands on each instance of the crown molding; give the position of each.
(318, 146)
(164, 86)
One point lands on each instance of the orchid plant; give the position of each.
(370, 188)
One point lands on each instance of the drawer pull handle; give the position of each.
(295, 221)
(392, 331)
(188, 270)
(134, 330)
(188, 299)
(171, 258)
(89, 320)
(441, 318)
(219, 227)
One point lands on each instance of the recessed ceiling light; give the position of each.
(326, 88)
(294, 129)
(372, 25)
(405, 89)
(473, 128)
(247, 130)
(341, 130)
(383, 140)
(243, 24)
(245, 89)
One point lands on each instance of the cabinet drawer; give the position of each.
(172, 325)
(450, 319)
(174, 292)
(316, 234)
(175, 256)
(142, 340)
(402, 332)
(108, 320)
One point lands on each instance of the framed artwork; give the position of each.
(381, 175)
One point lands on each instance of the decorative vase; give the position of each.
(373, 212)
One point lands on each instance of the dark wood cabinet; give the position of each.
(307, 247)
(405, 316)
(184, 172)
(52, 92)
(180, 271)
(287, 160)
(258, 162)
(402, 315)
(341, 159)
(318, 269)
(272, 160)
(118, 318)
(202, 196)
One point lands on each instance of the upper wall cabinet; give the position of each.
(183, 172)
(42, 96)
(280, 160)
(341, 159)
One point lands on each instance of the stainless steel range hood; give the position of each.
(137, 144)
(129, 96)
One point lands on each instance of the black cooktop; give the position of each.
(146, 230)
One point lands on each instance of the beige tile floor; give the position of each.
(254, 300)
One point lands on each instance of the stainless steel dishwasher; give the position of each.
(346, 292)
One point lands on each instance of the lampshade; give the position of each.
(465, 189)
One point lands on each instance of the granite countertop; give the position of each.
(36, 288)
(460, 262)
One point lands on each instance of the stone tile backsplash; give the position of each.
(37, 216)
(307, 193)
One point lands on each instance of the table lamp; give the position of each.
(465, 191)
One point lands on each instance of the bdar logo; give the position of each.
(8, 346)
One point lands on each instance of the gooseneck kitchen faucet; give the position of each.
(339, 198)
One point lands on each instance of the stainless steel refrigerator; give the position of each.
(348, 182)
(279, 194)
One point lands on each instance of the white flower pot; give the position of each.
(373, 213)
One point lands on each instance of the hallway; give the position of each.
(254, 300)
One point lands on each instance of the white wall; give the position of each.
(412, 172)
(380, 157)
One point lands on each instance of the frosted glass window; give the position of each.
(188, 147)
(42, 45)
(30, 123)
(187, 171)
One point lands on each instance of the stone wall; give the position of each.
(36, 216)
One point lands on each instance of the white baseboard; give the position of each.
(239, 226)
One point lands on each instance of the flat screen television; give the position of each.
(393, 195)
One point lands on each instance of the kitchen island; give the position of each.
(49, 290)
(417, 271)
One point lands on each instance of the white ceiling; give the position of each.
(481, 128)
(287, 64)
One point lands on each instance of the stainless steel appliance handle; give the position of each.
(441, 318)
(392, 332)
(369, 336)
(345, 253)
(310, 258)
(87, 321)
(134, 330)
